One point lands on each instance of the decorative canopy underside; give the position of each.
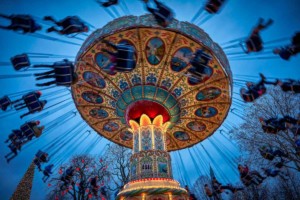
(196, 108)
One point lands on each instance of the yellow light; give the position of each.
(166, 126)
(134, 125)
(158, 120)
(145, 120)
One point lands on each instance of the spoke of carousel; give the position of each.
(225, 135)
(14, 95)
(230, 42)
(90, 148)
(91, 143)
(62, 146)
(186, 175)
(182, 178)
(202, 160)
(63, 150)
(196, 166)
(107, 10)
(229, 160)
(239, 115)
(125, 7)
(74, 134)
(233, 151)
(8, 76)
(53, 124)
(73, 147)
(198, 14)
(65, 134)
(49, 146)
(51, 112)
(204, 20)
(256, 58)
(5, 64)
(19, 111)
(219, 170)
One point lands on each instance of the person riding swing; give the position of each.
(254, 43)
(40, 157)
(290, 85)
(123, 59)
(162, 14)
(24, 23)
(255, 91)
(31, 101)
(200, 68)
(63, 72)
(291, 50)
(70, 25)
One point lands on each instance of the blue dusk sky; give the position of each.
(235, 20)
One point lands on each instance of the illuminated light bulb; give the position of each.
(166, 126)
(134, 125)
(145, 120)
(158, 120)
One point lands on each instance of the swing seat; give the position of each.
(164, 15)
(199, 73)
(109, 3)
(72, 25)
(42, 156)
(30, 98)
(25, 23)
(20, 61)
(213, 6)
(200, 59)
(4, 103)
(248, 96)
(63, 75)
(254, 44)
(27, 130)
(34, 106)
(125, 61)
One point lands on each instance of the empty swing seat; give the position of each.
(30, 98)
(20, 61)
(5, 102)
(34, 106)
(63, 75)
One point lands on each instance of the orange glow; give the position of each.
(134, 125)
(145, 120)
(158, 120)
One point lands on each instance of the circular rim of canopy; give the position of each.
(196, 108)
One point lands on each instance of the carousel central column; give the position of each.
(150, 165)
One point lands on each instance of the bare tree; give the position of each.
(250, 135)
(79, 186)
(117, 158)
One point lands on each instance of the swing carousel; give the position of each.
(157, 107)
